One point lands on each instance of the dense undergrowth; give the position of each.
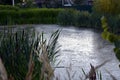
(112, 37)
(29, 16)
(27, 55)
(14, 16)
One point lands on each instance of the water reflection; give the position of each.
(79, 48)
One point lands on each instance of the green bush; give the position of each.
(113, 38)
(83, 19)
(29, 16)
(8, 7)
(114, 23)
(107, 7)
(66, 17)
(95, 20)
(79, 18)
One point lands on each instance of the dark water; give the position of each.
(79, 48)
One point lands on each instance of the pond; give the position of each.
(79, 48)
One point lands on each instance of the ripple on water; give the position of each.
(80, 47)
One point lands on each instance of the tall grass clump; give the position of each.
(27, 55)
(15, 49)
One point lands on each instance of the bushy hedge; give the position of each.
(87, 19)
(114, 23)
(8, 7)
(29, 16)
(55, 16)
(113, 38)
(79, 18)
(66, 17)
(83, 19)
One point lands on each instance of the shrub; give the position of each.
(29, 16)
(8, 7)
(83, 19)
(113, 38)
(80, 19)
(66, 17)
(95, 20)
(114, 23)
(108, 7)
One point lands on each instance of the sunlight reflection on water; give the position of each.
(79, 48)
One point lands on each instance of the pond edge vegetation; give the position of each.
(38, 53)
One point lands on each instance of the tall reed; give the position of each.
(16, 46)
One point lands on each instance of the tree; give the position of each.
(110, 7)
(107, 6)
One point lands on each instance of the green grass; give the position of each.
(16, 47)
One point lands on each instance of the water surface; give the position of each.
(79, 48)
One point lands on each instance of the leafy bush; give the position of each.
(113, 38)
(107, 7)
(8, 7)
(66, 17)
(79, 18)
(95, 20)
(29, 16)
(83, 19)
(114, 23)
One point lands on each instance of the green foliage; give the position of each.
(16, 47)
(108, 7)
(95, 20)
(29, 16)
(111, 10)
(117, 51)
(114, 23)
(8, 7)
(66, 17)
(83, 19)
(79, 18)
(114, 38)
(27, 4)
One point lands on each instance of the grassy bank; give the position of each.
(14, 16)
